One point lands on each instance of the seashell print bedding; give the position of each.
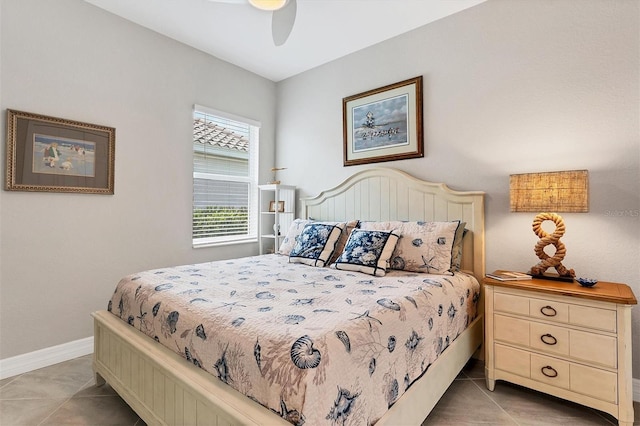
(315, 345)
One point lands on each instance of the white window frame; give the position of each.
(252, 180)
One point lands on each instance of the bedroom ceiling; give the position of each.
(324, 30)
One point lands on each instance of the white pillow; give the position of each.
(289, 240)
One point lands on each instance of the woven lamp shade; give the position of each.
(566, 192)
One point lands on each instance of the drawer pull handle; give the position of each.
(551, 371)
(548, 311)
(548, 339)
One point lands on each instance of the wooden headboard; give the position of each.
(382, 194)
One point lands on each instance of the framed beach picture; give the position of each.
(384, 124)
(57, 155)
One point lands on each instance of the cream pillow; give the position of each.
(344, 236)
(424, 246)
(289, 240)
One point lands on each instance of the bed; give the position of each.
(165, 388)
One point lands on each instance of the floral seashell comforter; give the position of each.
(314, 345)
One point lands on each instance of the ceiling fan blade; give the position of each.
(282, 21)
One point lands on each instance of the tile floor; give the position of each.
(65, 394)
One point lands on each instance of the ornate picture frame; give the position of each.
(384, 124)
(50, 154)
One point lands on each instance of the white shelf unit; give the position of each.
(271, 195)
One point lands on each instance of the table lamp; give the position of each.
(554, 192)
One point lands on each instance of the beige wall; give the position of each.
(62, 254)
(510, 86)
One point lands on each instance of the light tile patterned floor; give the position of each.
(65, 394)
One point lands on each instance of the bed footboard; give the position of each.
(163, 388)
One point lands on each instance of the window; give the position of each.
(225, 178)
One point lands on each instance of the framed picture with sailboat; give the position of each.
(384, 124)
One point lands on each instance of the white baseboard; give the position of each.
(636, 389)
(19, 364)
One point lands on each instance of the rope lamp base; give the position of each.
(546, 261)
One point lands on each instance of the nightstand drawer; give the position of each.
(551, 371)
(513, 360)
(529, 307)
(558, 373)
(549, 338)
(575, 377)
(511, 304)
(511, 330)
(531, 334)
(554, 311)
(557, 340)
(587, 316)
(599, 384)
(540, 368)
(593, 348)
(549, 310)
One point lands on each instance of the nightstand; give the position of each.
(560, 338)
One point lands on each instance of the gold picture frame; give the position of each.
(50, 154)
(383, 124)
(272, 206)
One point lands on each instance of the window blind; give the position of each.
(224, 178)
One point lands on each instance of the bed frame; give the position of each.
(163, 388)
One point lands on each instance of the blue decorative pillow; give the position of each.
(368, 252)
(316, 243)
